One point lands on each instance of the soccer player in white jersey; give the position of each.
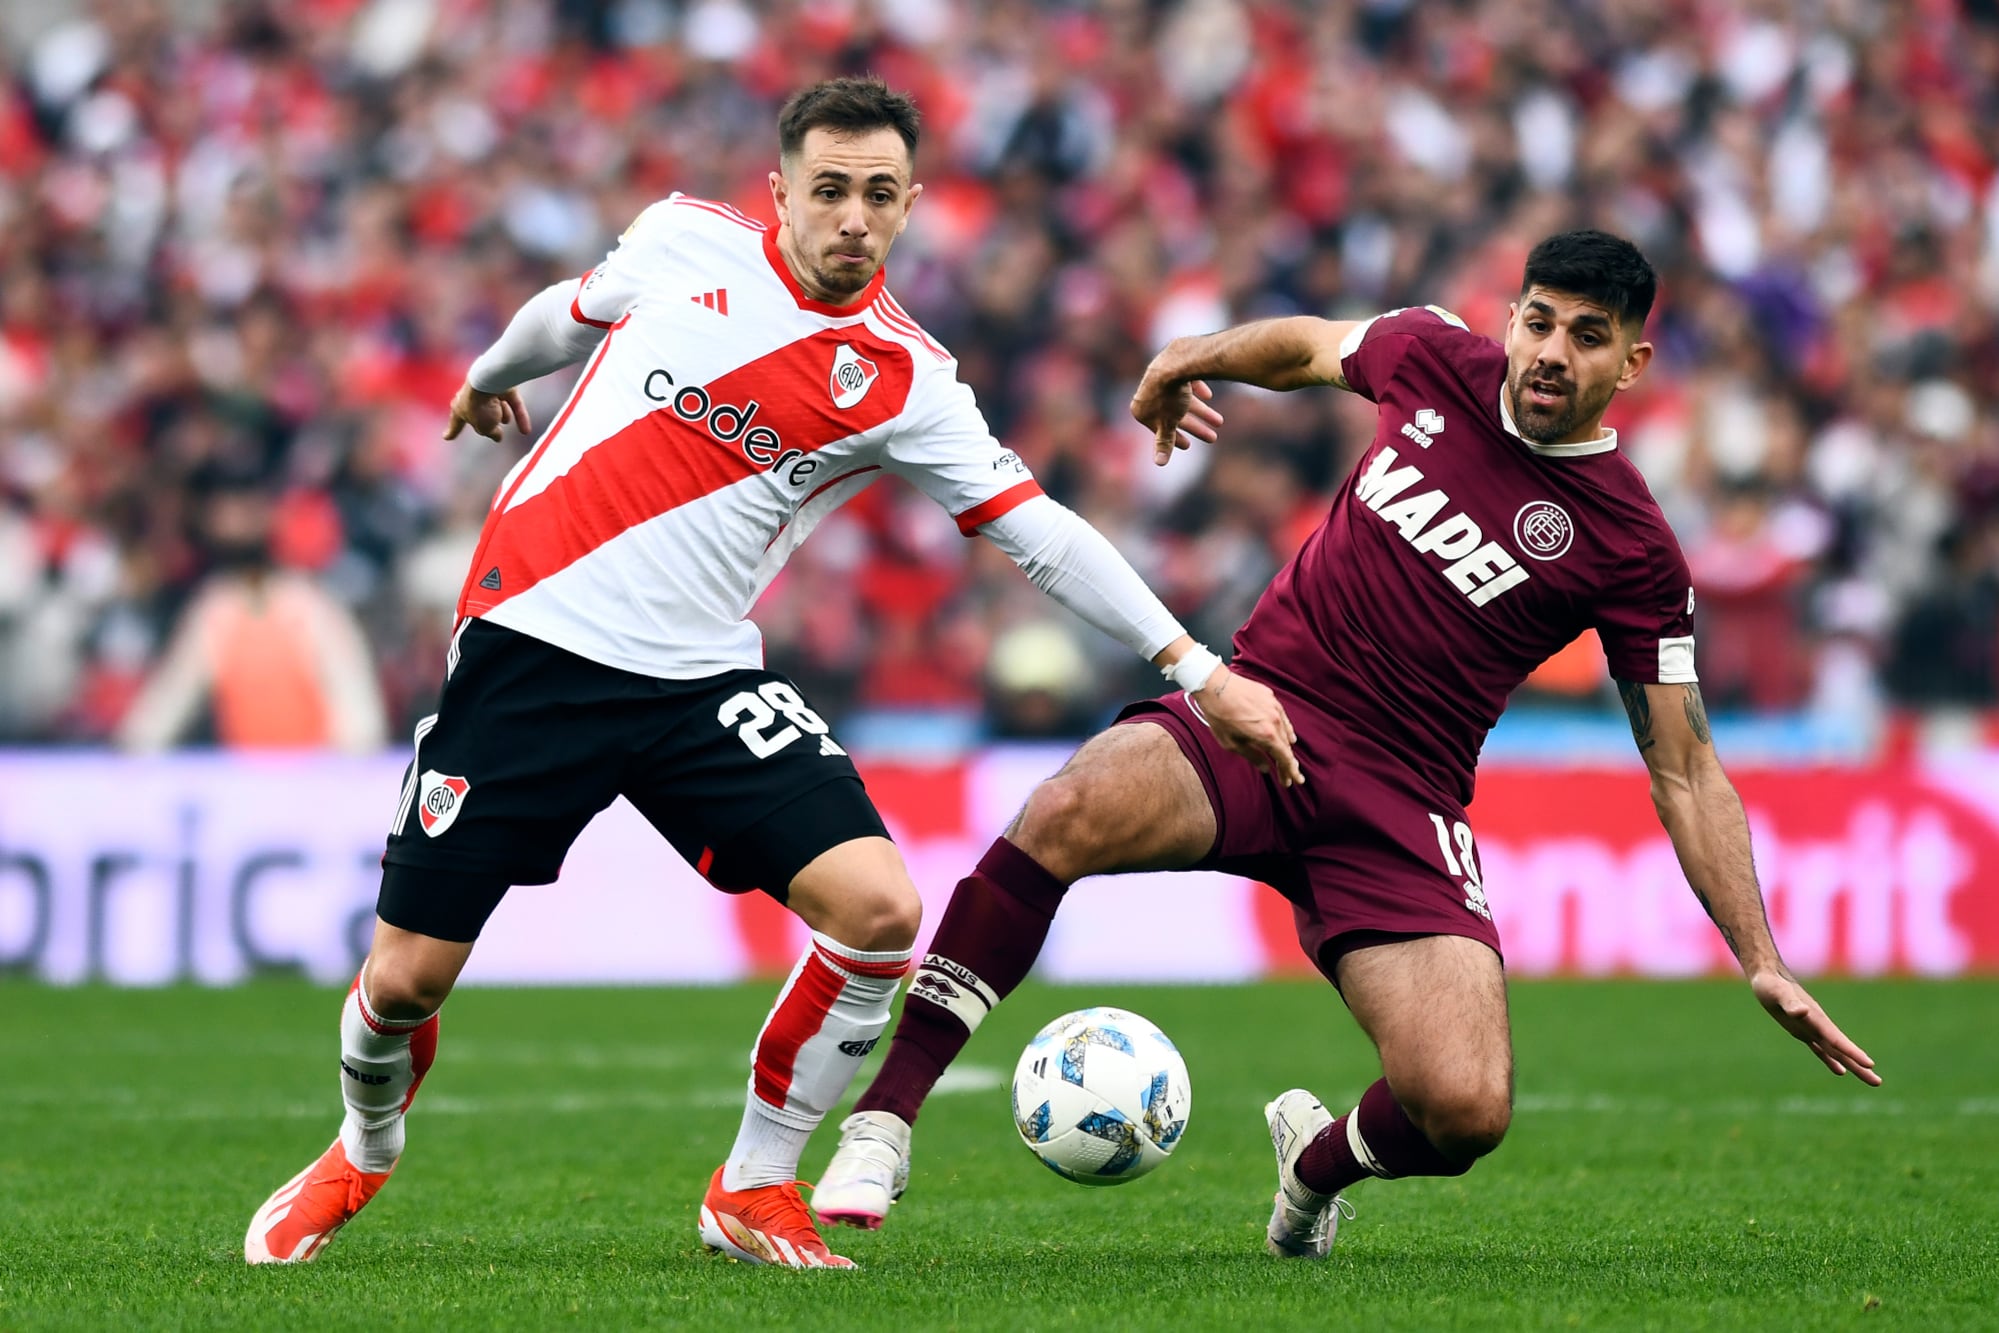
(742, 381)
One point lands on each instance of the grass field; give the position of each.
(1676, 1163)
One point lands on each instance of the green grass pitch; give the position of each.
(1676, 1163)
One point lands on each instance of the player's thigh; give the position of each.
(1159, 792)
(520, 755)
(1129, 799)
(754, 791)
(1435, 1008)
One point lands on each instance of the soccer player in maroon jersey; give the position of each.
(1491, 521)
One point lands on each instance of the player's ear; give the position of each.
(779, 191)
(908, 203)
(1635, 361)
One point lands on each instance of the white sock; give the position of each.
(378, 1075)
(833, 1008)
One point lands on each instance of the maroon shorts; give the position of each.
(1363, 850)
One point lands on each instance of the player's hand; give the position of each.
(1791, 1005)
(486, 413)
(1178, 412)
(1247, 719)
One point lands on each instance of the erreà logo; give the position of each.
(853, 375)
(439, 799)
(1429, 424)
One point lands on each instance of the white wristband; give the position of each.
(1192, 671)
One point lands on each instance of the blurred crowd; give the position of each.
(248, 248)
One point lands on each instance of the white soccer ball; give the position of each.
(1101, 1096)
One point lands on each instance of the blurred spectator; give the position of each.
(1039, 683)
(276, 662)
(272, 236)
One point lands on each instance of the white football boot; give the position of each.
(869, 1171)
(1304, 1221)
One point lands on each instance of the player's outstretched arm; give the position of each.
(486, 413)
(1173, 398)
(546, 334)
(1702, 814)
(1077, 565)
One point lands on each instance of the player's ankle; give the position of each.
(373, 1146)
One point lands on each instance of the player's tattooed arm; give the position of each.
(1697, 715)
(1638, 707)
(1727, 933)
(1700, 811)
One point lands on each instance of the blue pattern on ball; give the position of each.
(1113, 1128)
(1034, 1125)
(1080, 1041)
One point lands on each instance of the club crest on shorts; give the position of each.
(439, 798)
(853, 376)
(1544, 529)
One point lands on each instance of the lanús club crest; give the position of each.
(1543, 529)
(853, 375)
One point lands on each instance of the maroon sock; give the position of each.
(991, 934)
(1390, 1146)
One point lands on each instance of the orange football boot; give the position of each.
(765, 1225)
(295, 1223)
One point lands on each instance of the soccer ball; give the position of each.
(1101, 1096)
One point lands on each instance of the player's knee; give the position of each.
(1467, 1121)
(401, 990)
(1064, 826)
(881, 916)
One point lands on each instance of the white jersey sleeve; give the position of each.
(564, 323)
(945, 449)
(608, 291)
(1077, 565)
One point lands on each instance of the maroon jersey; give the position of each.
(1459, 556)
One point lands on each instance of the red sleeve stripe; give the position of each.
(734, 215)
(907, 330)
(897, 318)
(576, 306)
(928, 341)
(904, 315)
(892, 310)
(1008, 500)
(891, 968)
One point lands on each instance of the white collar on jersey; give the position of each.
(1602, 444)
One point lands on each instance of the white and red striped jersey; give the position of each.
(721, 417)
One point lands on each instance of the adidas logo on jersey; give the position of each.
(492, 580)
(1428, 424)
(1479, 569)
(717, 300)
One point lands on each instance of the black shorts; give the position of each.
(530, 741)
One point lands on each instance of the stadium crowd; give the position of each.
(247, 250)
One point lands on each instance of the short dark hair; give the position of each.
(1600, 267)
(847, 106)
